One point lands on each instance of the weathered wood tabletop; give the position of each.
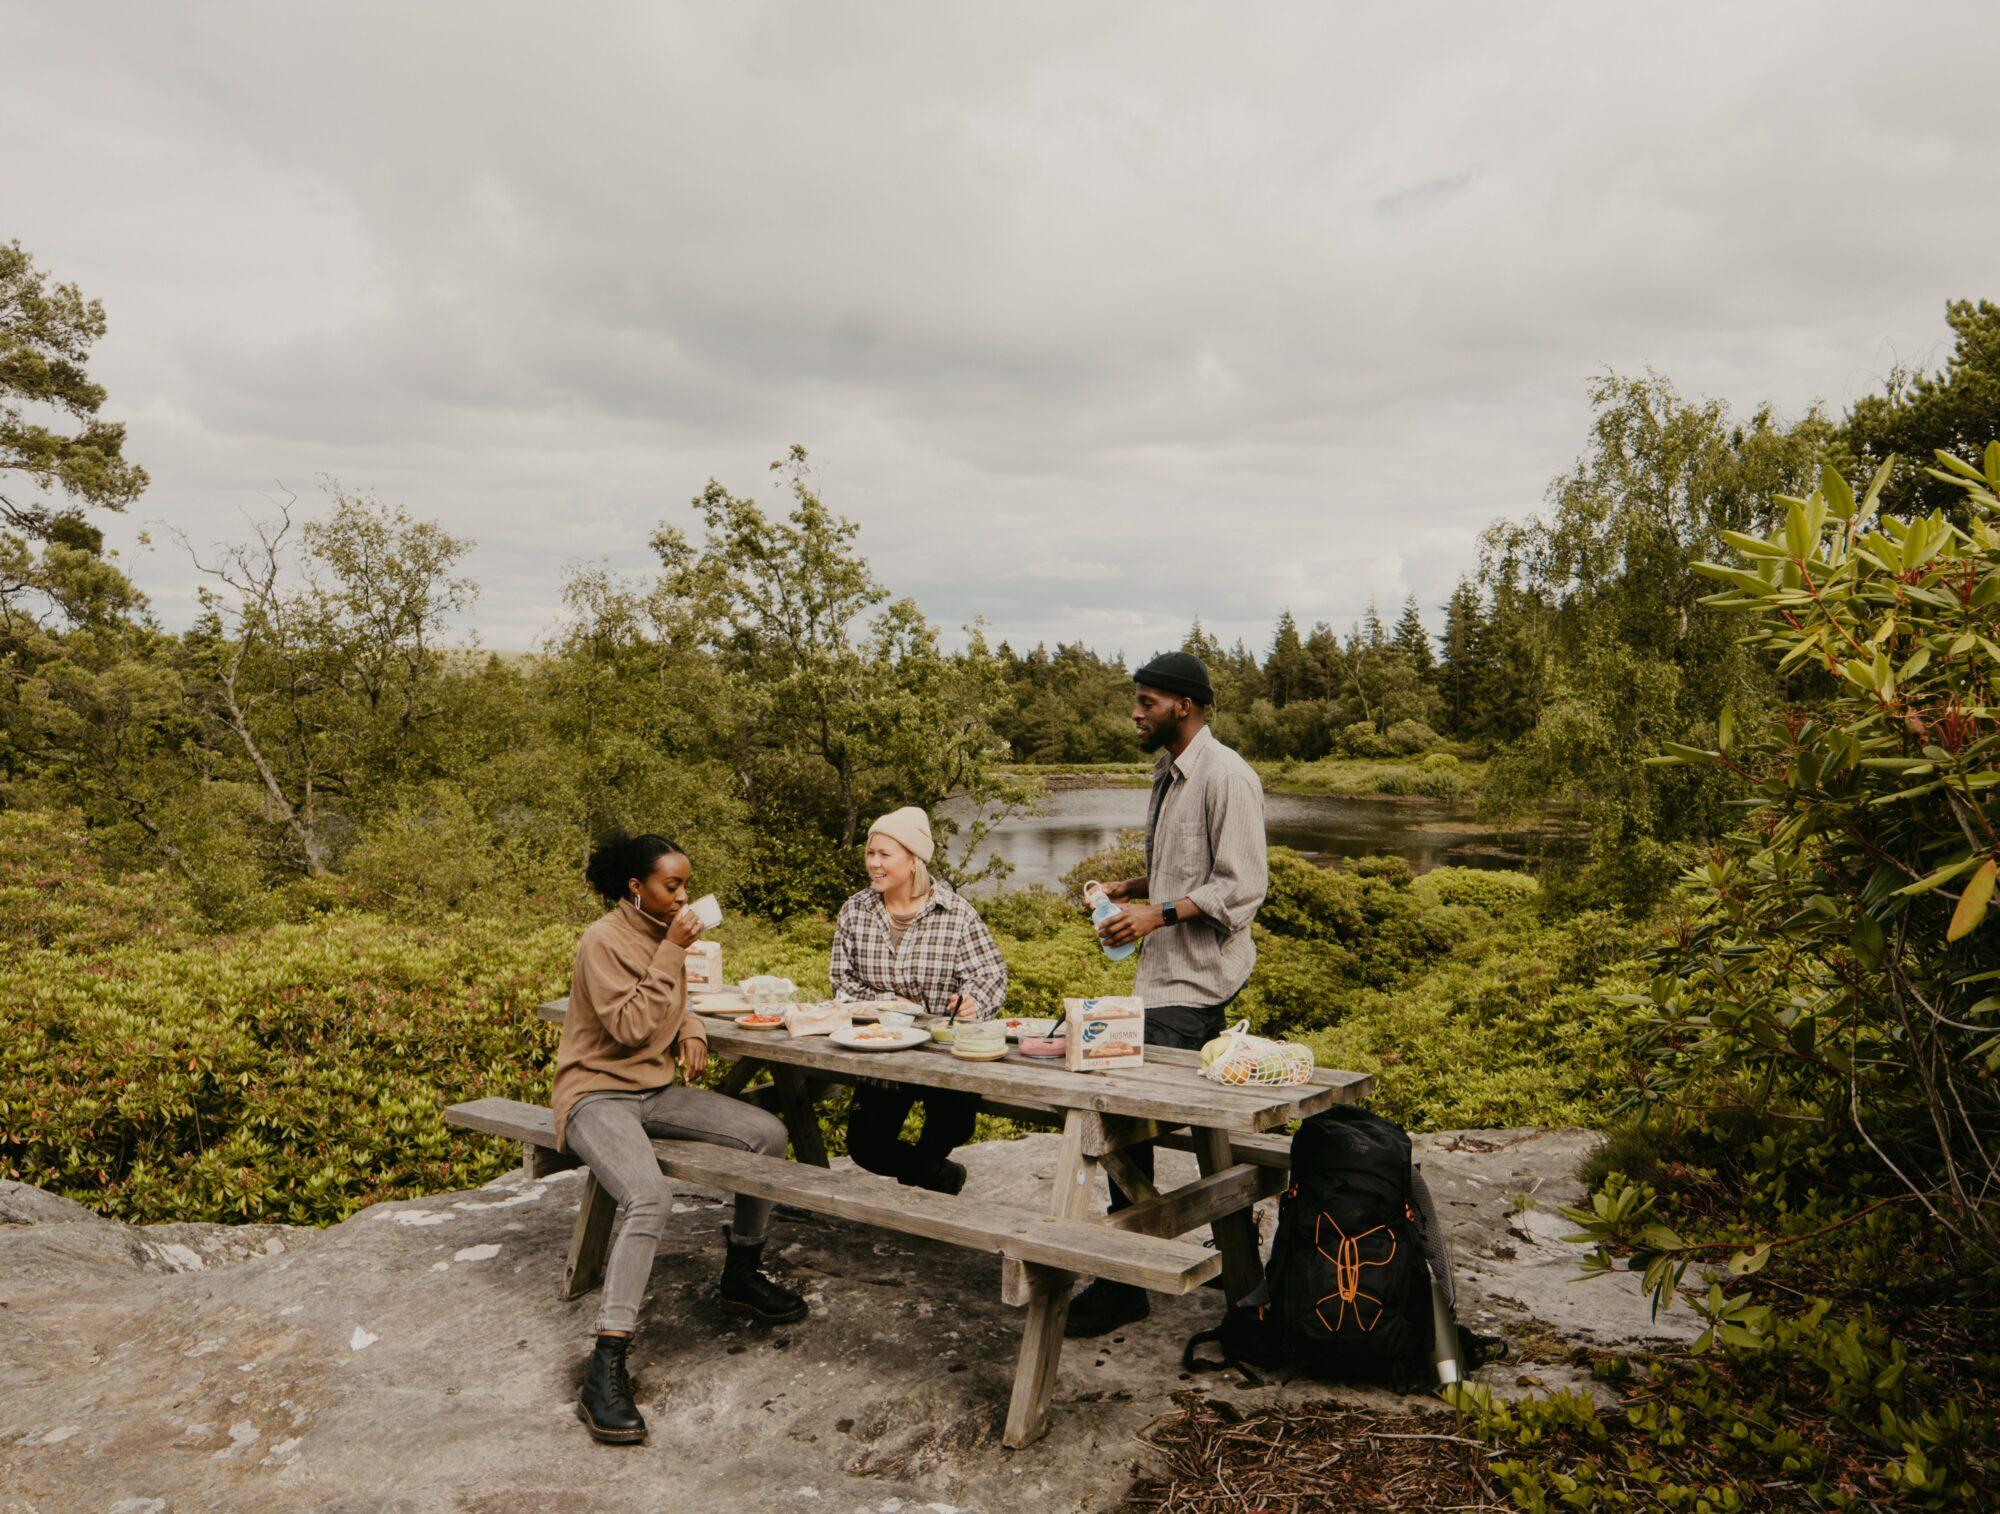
(1105, 1118)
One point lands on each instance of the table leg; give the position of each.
(590, 1242)
(1126, 1174)
(1235, 1234)
(1048, 1308)
(741, 1071)
(795, 1102)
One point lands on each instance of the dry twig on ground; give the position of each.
(1216, 1458)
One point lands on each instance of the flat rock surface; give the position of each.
(417, 1357)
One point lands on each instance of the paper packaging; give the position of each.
(1104, 1033)
(704, 966)
(817, 1019)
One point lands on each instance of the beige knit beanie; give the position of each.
(910, 826)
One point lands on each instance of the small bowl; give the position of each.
(896, 1019)
(1043, 1046)
(984, 1037)
(941, 1031)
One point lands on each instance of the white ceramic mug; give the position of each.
(708, 911)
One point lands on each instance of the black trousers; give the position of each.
(875, 1128)
(1189, 1028)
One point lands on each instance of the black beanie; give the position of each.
(1177, 673)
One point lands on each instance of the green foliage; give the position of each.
(46, 333)
(296, 1074)
(1312, 695)
(55, 895)
(1801, 1410)
(319, 671)
(1631, 656)
(829, 730)
(1834, 965)
(1497, 1017)
(298, 1070)
(1311, 902)
(1956, 410)
(1361, 739)
(1427, 783)
(1436, 775)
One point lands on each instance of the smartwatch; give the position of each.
(1167, 913)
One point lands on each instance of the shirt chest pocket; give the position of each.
(1184, 830)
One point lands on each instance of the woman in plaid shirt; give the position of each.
(908, 935)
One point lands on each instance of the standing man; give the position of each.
(1206, 873)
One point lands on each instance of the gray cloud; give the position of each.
(1096, 319)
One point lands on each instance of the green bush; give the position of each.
(1410, 736)
(1514, 1026)
(1838, 960)
(1428, 783)
(1361, 739)
(299, 1071)
(1304, 900)
(1126, 859)
(56, 894)
(795, 872)
(295, 1074)
(1481, 888)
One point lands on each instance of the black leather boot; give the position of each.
(746, 1290)
(605, 1404)
(947, 1177)
(1104, 1306)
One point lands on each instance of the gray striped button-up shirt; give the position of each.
(1205, 844)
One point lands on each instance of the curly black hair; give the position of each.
(618, 859)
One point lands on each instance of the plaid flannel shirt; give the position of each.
(946, 950)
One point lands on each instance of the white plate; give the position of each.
(1038, 1026)
(903, 1042)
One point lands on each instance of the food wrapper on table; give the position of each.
(817, 1019)
(704, 967)
(1104, 1033)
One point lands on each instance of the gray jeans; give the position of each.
(612, 1133)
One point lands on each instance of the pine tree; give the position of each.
(1507, 651)
(1374, 635)
(1415, 641)
(1202, 645)
(1287, 671)
(1324, 659)
(1457, 674)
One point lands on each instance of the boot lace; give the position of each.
(620, 1380)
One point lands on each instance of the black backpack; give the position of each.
(1346, 1293)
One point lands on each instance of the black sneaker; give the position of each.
(1104, 1306)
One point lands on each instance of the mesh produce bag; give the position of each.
(1247, 1061)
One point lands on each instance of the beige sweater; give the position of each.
(627, 1009)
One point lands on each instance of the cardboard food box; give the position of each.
(1104, 1033)
(704, 966)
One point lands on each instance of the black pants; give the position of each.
(875, 1128)
(1188, 1028)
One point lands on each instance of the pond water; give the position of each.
(1078, 821)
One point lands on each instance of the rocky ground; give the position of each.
(416, 1357)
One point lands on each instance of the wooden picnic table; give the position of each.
(1104, 1117)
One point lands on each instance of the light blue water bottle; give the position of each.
(1102, 908)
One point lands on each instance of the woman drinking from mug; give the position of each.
(625, 1035)
(908, 935)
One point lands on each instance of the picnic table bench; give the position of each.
(1104, 1117)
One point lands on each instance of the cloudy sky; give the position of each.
(1097, 318)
